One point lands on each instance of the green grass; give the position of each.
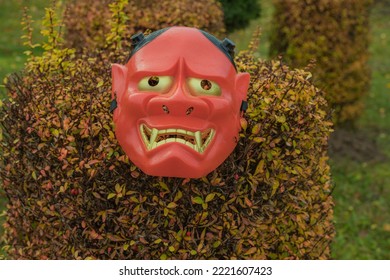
(12, 57)
(362, 189)
(362, 193)
(243, 37)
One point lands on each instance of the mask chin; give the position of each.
(177, 161)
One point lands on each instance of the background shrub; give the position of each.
(237, 14)
(87, 21)
(73, 194)
(335, 34)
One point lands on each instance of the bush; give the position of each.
(335, 34)
(73, 194)
(237, 14)
(87, 21)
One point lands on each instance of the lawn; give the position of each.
(362, 192)
(361, 177)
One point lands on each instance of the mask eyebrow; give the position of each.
(159, 69)
(208, 73)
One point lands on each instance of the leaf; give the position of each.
(193, 252)
(210, 197)
(260, 167)
(197, 200)
(178, 196)
(95, 235)
(100, 84)
(259, 139)
(281, 119)
(55, 132)
(248, 202)
(250, 251)
(111, 195)
(114, 237)
(275, 186)
(118, 188)
(244, 124)
(217, 243)
(172, 205)
(164, 186)
(256, 129)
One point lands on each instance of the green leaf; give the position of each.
(197, 200)
(217, 243)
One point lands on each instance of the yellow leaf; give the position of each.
(99, 84)
(111, 195)
(172, 205)
(250, 251)
(210, 197)
(275, 186)
(258, 139)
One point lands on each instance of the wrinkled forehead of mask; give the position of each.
(226, 46)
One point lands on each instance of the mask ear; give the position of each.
(119, 75)
(242, 84)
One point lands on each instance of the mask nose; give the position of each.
(179, 104)
(188, 112)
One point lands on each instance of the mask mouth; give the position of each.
(198, 140)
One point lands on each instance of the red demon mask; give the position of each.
(177, 102)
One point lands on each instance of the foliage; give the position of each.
(335, 34)
(237, 14)
(73, 194)
(87, 21)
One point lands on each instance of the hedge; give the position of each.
(336, 35)
(87, 21)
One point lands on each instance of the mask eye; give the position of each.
(155, 84)
(203, 87)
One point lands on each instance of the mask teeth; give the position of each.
(198, 140)
(153, 136)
